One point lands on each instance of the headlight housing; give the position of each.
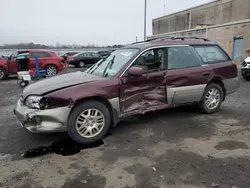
(37, 102)
(33, 102)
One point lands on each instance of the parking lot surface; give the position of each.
(174, 148)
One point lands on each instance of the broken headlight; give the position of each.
(37, 102)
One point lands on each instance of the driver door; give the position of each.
(12, 63)
(140, 94)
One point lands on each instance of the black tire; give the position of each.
(51, 67)
(247, 78)
(81, 64)
(3, 73)
(77, 110)
(202, 104)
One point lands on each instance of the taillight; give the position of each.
(235, 64)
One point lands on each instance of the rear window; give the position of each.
(211, 54)
(40, 54)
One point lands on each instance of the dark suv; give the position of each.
(139, 78)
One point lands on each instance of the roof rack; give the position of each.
(170, 38)
(175, 38)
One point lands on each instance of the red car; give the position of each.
(48, 61)
(3, 68)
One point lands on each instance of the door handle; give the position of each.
(206, 73)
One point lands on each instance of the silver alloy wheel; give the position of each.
(81, 64)
(90, 123)
(1, 74)
(212, 98)
(51, 71)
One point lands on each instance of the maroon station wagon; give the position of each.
(147, 76)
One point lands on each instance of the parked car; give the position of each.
(3, 68)
(136, 79)
(245, 69)
(70, 54)
(67, 57)
(5, 57)
(84, 59)
(48, 61)
(104, 53)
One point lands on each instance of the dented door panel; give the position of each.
(144, 93)
(187, 85)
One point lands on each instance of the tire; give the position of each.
(247, 78)
(214, 108)
(76, 125)
(3, 73)
(51, 70)
(81, 64)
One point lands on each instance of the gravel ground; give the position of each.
(174, 148)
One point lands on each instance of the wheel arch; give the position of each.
(218, 80)
(113, 112)
(53, 64)
(49, 64)
(4, 69)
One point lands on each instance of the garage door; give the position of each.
(238, 49)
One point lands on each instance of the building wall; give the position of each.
(214, 13)
(223, 35)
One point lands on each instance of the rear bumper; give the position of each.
(41, 121)
(231, 85)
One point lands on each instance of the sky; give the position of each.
(99, 22)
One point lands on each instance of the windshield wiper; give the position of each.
(95, 66)
(109, 66)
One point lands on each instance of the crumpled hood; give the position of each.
(58, 82)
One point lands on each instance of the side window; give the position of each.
(151, 60)
(95, 55)
(183, 57)
(90, 54)
(37, 54)
(46, 54)
(211, 54)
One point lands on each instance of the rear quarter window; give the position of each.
(211, 54)
(46, 54)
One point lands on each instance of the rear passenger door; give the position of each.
(94, 58)
(223, 67)
(42, 59)
(187, 76)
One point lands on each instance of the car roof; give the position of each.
(35, 50)
(169, 42)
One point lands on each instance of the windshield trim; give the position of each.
(117, 74)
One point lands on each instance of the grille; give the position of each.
(244, 63)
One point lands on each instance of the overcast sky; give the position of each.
(81, 21)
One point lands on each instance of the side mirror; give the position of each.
(135, 71)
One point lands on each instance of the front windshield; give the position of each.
(111, 65)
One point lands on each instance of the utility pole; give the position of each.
(136, 39)
(145, 21)
(164, 13)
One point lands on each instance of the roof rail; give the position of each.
(139, 42)
(175, 38)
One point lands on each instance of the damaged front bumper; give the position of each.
(41, 121)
